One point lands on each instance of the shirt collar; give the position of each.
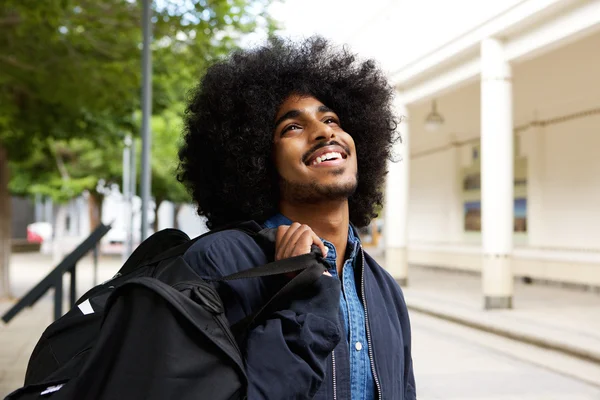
(276, 220)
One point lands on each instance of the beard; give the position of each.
(314, 192)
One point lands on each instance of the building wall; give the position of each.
(566, 186)
(562, 242)
(23, 214)
(434, 198)
(564, 172)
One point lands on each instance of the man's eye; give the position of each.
(290, 128)
(331, 121)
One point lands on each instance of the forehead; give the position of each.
(298, 102)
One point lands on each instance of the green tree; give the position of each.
(166, 131)
(69, 84)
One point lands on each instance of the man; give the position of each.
(297, 137)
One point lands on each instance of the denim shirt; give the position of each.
(362, 384)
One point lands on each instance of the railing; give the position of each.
(55, 278)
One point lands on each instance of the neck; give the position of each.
(329, 220)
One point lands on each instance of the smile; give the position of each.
(327, 159)
(327, 156)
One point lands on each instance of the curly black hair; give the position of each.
(226, 158)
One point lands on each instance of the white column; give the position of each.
(497, 175)
(396, 203)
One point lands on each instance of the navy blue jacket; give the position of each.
(293, 354)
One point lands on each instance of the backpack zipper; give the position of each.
(369, 343)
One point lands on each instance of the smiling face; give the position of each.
(315, 158)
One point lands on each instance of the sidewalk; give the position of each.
(566, 320)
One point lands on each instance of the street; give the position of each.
(453, 362)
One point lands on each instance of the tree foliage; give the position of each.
(70, 83)
(70, 73)
(166, 130)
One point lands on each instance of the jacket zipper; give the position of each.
(369, 343)
(333, 352)
(334, 382)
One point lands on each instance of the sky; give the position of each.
(394, 32)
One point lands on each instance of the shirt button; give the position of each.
(358, 346)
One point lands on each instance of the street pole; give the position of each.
(132, 192)
(146, 112)
(126, 191)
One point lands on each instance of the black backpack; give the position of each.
(157, 330)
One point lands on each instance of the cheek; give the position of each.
(285, 160)
(353, 151)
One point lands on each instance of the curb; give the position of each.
(518, 336)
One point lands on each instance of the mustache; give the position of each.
(320, 146)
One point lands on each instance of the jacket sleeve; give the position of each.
(286, 354)
(410, 391)
(409, 376)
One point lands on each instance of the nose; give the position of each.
(322, 132)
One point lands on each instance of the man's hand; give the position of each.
(295, 240)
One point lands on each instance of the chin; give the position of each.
(337, 190)
(318, 191)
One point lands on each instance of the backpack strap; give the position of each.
(307, 277)
(310, 266)
(170, 243)
(157, 243)
(280, 267)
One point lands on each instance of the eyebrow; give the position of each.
(295, 113)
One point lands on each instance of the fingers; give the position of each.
(295, 240)
(279, 248)
(284, 234)
(302, 240)
(317, 240)
(291, 244)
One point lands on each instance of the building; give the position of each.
(509, 183)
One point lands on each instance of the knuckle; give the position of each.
(307, 234)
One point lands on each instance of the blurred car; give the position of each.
(39, 232)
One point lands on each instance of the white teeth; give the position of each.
(327, 156)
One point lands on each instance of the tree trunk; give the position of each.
(95, 209)
(5, 225)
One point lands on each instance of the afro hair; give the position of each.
(226, 157)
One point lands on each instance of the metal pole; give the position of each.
(58, 297)
(95, 257)
(132, 191)
(125, 189)
(73, 288)
(146, 112)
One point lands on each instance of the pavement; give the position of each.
(554, 320)
(456, 362)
